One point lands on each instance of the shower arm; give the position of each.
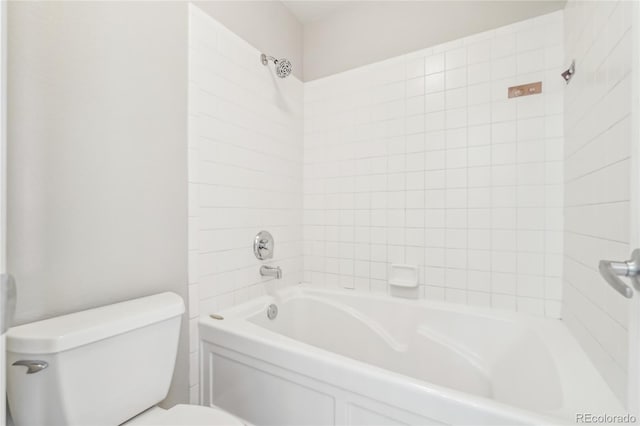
(265, 59)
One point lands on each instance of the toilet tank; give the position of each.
(104, 365)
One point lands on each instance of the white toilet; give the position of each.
(104, 366)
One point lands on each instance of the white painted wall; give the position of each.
(3, 197)
(360, 33)
(97, 161)
(597, 177)
(245, 172)
(267, 25)
(422, 159)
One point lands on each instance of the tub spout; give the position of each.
(271, 271)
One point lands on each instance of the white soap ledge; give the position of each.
(405, 276)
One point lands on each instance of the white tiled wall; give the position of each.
(245, 172)
(597, 151)
(423, 160)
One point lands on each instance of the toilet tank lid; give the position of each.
(80, 328)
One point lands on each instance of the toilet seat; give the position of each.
(186, 415)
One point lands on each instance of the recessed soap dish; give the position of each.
(403, 281)
(403, 276)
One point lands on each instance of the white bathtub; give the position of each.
(333, 357)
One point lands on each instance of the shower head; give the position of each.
(283, 66)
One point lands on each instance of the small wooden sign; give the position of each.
(525, 90)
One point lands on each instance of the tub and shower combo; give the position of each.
(316, 356)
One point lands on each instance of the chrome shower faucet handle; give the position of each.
(263, 245)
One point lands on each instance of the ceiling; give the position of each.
(309, 11)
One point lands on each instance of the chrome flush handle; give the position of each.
(611, 270)
(33, 366)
